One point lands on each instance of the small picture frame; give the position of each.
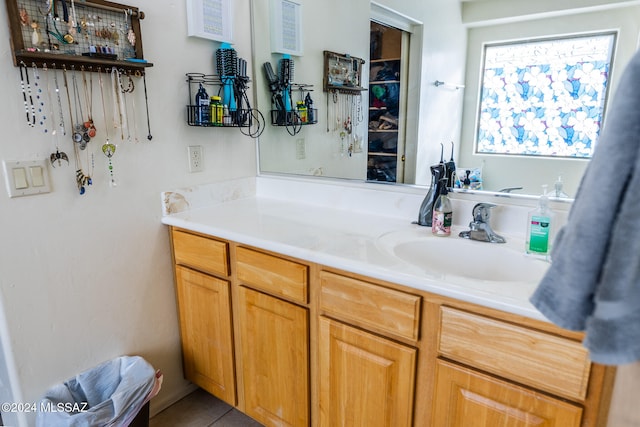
(210, 19)
(286, 27)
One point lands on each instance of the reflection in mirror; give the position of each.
(447, 39)
(387, 100)
(342, 27)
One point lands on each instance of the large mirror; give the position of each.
(442, 53)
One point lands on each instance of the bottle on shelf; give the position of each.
(202, 113)
(308, 102)
(217, 111)
(302, 111)
(226, 117)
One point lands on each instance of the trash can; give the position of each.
(114, 393)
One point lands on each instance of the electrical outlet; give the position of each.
(195, 158)
(300, 149)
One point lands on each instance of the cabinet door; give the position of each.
(275, 359)
(205, 324)
(465, 398)
(365, 380)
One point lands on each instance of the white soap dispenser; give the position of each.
(558, 191)
(540, 227)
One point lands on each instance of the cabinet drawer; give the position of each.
(272, 274)
(369, 305)
(527, 356)
(201, 253)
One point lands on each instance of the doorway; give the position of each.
(387, 102)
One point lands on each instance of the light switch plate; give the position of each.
(26, 177)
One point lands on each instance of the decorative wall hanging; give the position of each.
(210, 19)
(286, 27)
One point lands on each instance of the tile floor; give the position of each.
(200, 409)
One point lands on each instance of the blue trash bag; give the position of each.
(111, 394)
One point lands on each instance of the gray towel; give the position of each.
(593, 284)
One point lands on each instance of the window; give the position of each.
(544, 97)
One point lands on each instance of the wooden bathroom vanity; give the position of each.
(292, 342)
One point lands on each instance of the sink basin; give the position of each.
(456, 257)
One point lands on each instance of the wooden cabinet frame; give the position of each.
(415, 342)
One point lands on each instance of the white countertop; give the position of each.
(348, 240)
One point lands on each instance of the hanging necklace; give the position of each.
(81, 178)
(88, 93)
(26, 91)
(39, 97)
(119, 110)
(108, 148)
(80, 128)
(129, 89)
(74, 27)
(55, 79)
(76, 136)
(57, 156)
(146, 102)
(135, 120)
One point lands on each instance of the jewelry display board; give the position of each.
(342, 73)
(91, 33)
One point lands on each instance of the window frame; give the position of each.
(614, 34)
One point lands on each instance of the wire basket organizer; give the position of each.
(289, 115)
(293, 118)
(197, 115)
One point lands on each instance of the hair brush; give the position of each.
(227, 67)
(286, 77)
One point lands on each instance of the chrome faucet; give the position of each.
(479, 228)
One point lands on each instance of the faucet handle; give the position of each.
(482, 211)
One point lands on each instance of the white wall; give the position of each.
(87, 278)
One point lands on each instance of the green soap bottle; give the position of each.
(540, 227)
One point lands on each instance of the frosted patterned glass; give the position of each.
(544, 98)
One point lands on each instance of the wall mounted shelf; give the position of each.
(195, 113)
